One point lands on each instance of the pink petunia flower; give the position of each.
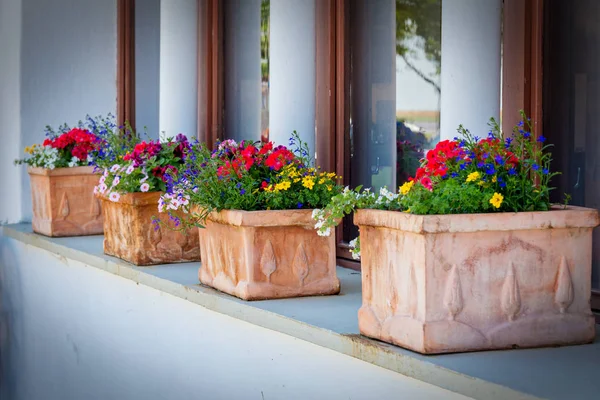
(145, 187)
(114, 196)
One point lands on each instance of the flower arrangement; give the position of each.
(249, 176)
(462, 176)
(149, 166)
(67, 147)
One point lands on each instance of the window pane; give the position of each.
(246, 68)
(395, 48)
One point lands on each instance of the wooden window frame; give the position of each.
(126, 62)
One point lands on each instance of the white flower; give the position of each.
(105, 174)
(353, 243)
(116, 181)
(319, 224)
(89, 159)
(144, 187)
(356, 255)
(130, 169)
(195, 189)
(96, 190)
(114, 168)
(74, 161)
(102, 187)
(51, 166)
(114, 196)
(102, 179)
(325, 232)
(315, 212)
(144, 179)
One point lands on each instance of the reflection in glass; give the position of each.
(246, 64)
(395, 52)
(395, 56)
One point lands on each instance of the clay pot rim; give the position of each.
(264, 218)
(558, 218)
(135, 199)
(66, 171)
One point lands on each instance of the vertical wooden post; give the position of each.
(126, 62)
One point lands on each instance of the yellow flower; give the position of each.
(494, 179)
(481, 183)
(285, 185)
(407, 210)
(473, 176)
(321, 181)
(405, 188)
(496, 200)
(329, 188)
(296, 180)
(308, 182)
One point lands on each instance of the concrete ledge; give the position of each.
(329, 322)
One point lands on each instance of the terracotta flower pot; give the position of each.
(129, 233)
(267, 255)
(453, 283)
(64, 203)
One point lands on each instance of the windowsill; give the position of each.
(331, 322)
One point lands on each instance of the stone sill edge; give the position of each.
(354, 346)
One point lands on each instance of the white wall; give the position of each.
(178, 68)
(147, 66)
(76, 332)
(470, 65)
(10, 110)
(68, 67)
(292, 71)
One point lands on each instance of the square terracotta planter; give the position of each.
(453, 283)
(64, 203)
(267, 255)
(129, 233)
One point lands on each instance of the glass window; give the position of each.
(395, 53)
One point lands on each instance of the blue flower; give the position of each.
(499, 160)
(508, 142)
(490, 134)
(520, 123)
(300, 205)
(463, 166)
(476, 138)
(512, 171)
(526, 134)
(541, 139)
(545, 171)
(480, 164)
(535, 167)
(502, 184)
(243, 191)
(462, 143)
(454, 174)
(489, 169)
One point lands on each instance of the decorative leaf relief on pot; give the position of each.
(64, 206)
(209, 260)
(268, 262)
(232, 267)
(453, 299)
(392, 288)
(155, 237)
(95, 208)
(563, 297)
(511, 298)
(300, 264)
(409, 292)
